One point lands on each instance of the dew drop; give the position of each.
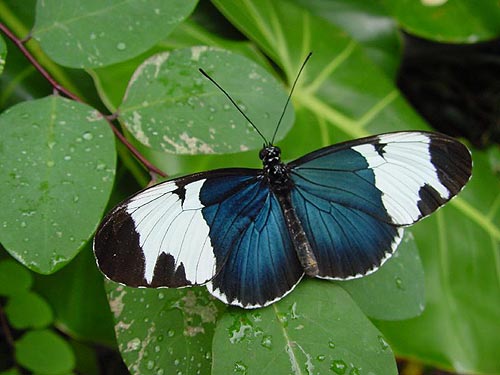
(331, 344)
(383, 344)
(87, 136)
(150, 365)
(321, 357)
(23, 224)
(240, 368)
(171, 333)
(67, 157)
(399, 283)
(354, 371)
(338, 366)
(121, 46)
(267, 342)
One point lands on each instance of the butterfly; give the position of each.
(250, 235)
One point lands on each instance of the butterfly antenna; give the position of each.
(234, 103)
(289, 96)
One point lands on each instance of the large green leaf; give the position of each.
(316, 330)
(100, 33)
(457, 21)
(343, 96)
(164, 331)
(368, 22)
(398, 286)
(57, 162)
(170, 106)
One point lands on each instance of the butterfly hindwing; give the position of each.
(353, 198)
(222, 225)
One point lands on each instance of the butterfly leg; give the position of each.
(300, 242)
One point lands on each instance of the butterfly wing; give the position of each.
(222, 225)
(354, 198)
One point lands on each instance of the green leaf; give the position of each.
(112, 81)
(3, 53)
(70, 291)
(101, 33)
(396, 290)
(169, 106)
(459, 247)
(368, 22)
(28, 310)
(14, 278)
(57, 161)
(318, 329)
(44, 352)
(168, 330)
(458, 21)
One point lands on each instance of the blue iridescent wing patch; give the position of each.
(354, 198)
(253, 248)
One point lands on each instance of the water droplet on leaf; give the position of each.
(338, 366)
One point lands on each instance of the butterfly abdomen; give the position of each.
(280, 183)
(301, 244)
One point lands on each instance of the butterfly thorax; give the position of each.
(276, 172)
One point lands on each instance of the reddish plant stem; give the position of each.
(61, 89)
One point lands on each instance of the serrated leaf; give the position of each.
(101, 33)
(458, 21)
(169, 106)
(44, 352)
(316, 330)
(14, 278)
(57, 160)
(3, 53)
(28, 310)
(396, 290)
(167, 330)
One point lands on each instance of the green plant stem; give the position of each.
(58, 88)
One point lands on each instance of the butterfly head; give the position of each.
(270, 154)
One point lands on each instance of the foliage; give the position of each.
(58, 163)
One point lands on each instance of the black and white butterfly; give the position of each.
(250, 235)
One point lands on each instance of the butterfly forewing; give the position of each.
(353, 198)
